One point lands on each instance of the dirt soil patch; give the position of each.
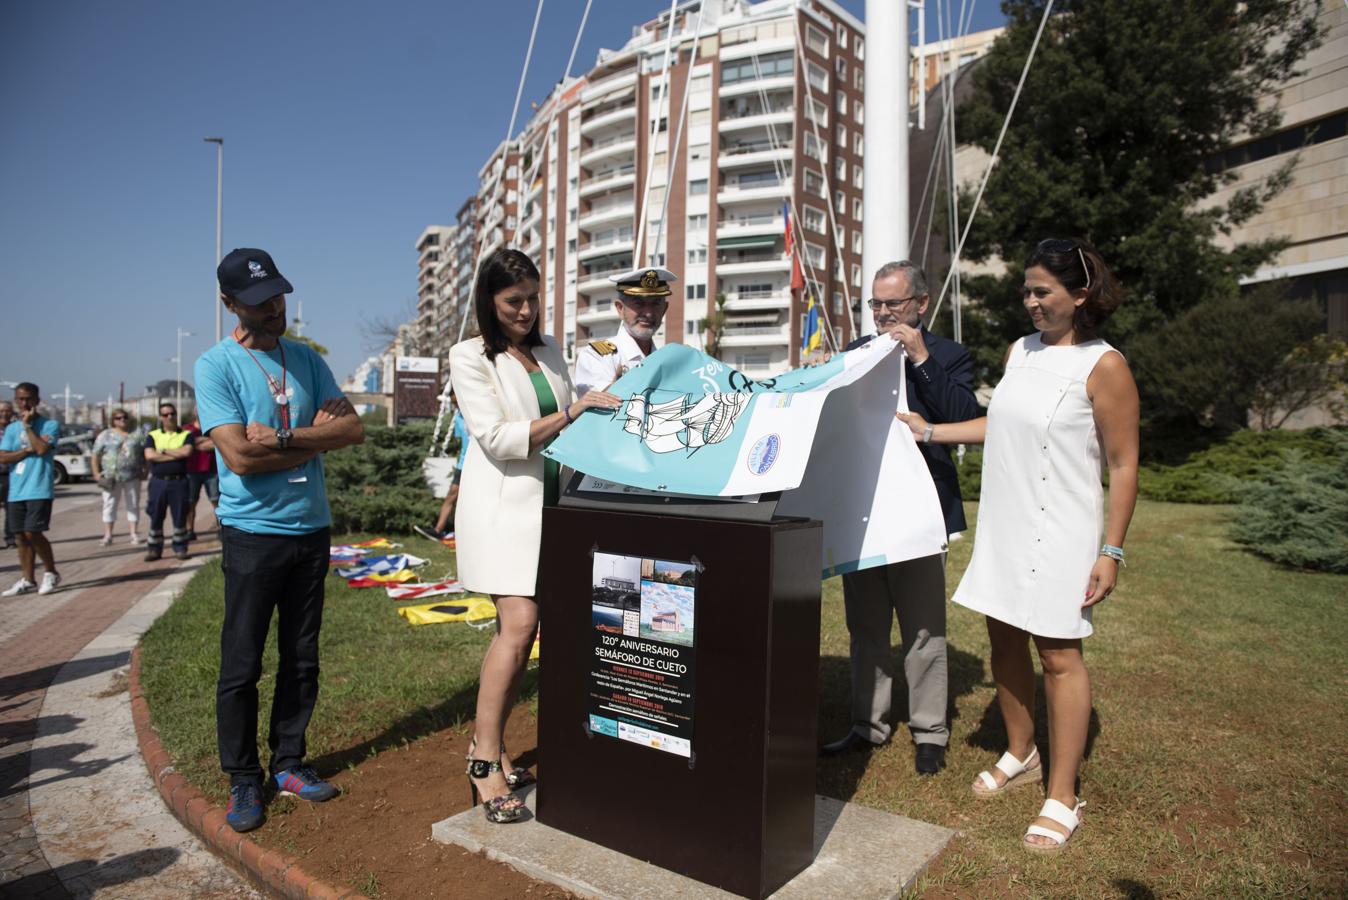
(376, 837)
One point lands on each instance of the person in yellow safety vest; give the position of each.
(170, 446)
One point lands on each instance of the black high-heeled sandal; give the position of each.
(498, 810)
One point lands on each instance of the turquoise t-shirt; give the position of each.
(230, 389)
(31, 477)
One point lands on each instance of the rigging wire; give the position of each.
(987, 173)
(639, 250)
(672, 153)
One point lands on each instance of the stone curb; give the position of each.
(270, 870)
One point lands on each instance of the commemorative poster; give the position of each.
(642, 612)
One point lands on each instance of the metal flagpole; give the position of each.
(884, 196)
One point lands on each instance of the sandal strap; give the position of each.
(1011, 767)
(481, 768)
(988, 780)
(1060, 813)
(1039, 830)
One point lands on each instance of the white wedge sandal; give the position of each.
(1017, 772)
(1058, 812)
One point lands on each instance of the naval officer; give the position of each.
(643, 297)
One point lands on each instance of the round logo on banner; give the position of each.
(764, 453)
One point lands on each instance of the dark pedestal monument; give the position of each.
(692, 748)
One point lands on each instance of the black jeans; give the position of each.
(265, 572)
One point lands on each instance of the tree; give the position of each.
(312, 344)
(1125, 108)
(711, 326)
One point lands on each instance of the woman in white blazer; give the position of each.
(516, 396)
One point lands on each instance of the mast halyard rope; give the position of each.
(639, 249)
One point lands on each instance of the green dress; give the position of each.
(547, 405)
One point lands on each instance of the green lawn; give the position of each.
(1214, 767)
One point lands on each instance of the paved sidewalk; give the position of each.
(79, 815)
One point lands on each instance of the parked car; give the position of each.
(72, 458)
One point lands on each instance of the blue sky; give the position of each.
(348, 128)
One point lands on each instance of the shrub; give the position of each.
(1221, 473)
(378, 486)
(970, 472)
(1297, 514)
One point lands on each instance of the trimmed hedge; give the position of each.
(377, 487)
(1221, 473)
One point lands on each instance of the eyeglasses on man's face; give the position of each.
(877, 303)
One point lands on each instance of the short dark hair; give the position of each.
(29, 387)
(170, 406)
(503, 269)
(1080, 267)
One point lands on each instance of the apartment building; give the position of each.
(430, 247)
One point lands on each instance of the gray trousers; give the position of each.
(915, 590)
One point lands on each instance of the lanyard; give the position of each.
(278, 391)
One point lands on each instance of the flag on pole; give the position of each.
(797, 276)
(812, 334)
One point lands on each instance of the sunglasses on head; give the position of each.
(1067, 245)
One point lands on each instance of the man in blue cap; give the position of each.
(271, 406)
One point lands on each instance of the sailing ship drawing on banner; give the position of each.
(686, 422)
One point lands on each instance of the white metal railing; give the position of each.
(755, 219)
(753, 330)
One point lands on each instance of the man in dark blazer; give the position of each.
(940, 387)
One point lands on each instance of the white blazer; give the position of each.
(498, 522)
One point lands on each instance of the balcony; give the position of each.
(753, 225)
(620, 178)
(602, 120)
(627, 78)
(754, 85)
(748, 191)
(596, 314)
(607, 214)
(596, 281)
(756, 336)
(751, 264)
(757, 300)
(747, 153)
(754, 117)
(623, 144)
(615, 245)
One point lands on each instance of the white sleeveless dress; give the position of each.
(1040, 518)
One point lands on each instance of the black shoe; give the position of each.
(430, 533)
(847, 744)
(153, 555)
(180, 554)
(191, 534)
(930, 759)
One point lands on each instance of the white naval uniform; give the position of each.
(596, 371)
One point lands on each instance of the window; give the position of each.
(842, 36)
(859, 111)
(840, 203)
(837, 268)
(697, 255)
(697, 223)
(812, 219)
(816, 75)
(856, 275)
(837, 303)
(860, 49)
(817, 112)
(571, 246)
(771, 65)
(814, 184)
(696, 292)
(841, 103)
(857, 178)
(571, 214)
(815, 254)
(700, 83)
(840, 169)
(856, 208)
(693, 327)
(856, 240)
(859, 78)
(659, 161)
(816, 40)
(842, 135)
(699, 151)
(840, 66)
(814, 149)
(699, 117)
(858, 144)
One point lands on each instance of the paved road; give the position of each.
(79, 816)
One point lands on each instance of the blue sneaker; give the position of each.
(303, 782)
(245, 807)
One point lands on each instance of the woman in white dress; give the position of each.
(1039, 564)
(516, 396)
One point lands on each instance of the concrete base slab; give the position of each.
(859, 853)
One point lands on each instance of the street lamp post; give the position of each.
(182, 333)
(219, 143)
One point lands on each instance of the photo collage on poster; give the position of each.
(641, 681)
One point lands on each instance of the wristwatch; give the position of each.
(283, 436)
(927, 433)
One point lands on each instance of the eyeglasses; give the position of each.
(119, 418)
(166, 414)
(1067, 245)
(877, 304)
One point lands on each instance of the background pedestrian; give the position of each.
(118, 464)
